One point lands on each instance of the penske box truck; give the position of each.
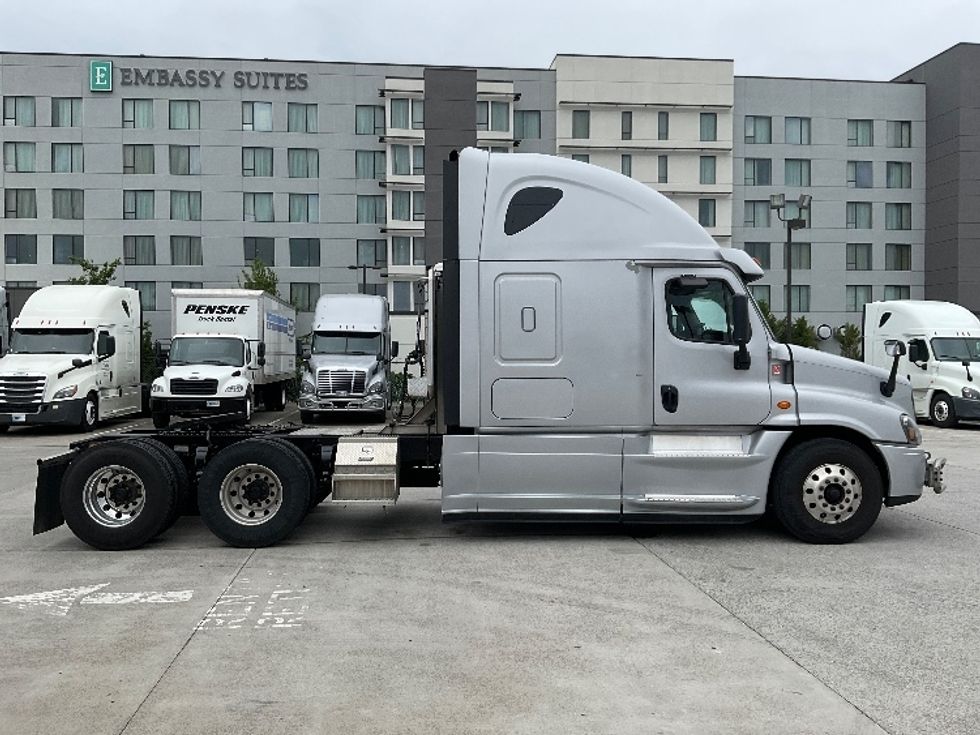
(231, 349)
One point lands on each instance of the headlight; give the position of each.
(157, 388)
(67, 392)
(376, 387)
(306, 387)
(235, 388)
(971, 393)
(911, 429)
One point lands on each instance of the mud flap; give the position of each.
(47, 500)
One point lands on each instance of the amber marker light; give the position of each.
(783, 405)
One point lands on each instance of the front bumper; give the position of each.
(910, 469)
(966, 408)
(56, 412)
(197, 406)
(371, 402)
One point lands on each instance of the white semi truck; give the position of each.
(230, 349)
(73, 359)
(348, 362)
(943, 351)
(4, 322)
(597, 357)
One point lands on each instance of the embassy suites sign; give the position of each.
(101, 78)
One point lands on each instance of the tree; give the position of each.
(149, 364)
(260, 277)
(94, 274)
(849, 339)
(802, 332)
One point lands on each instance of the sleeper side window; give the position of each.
(700, 309)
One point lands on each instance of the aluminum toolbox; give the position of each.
(366, 469)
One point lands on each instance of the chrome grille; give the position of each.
(184, 387)
(21, 393)
(332, 382)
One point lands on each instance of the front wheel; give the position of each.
(248, 407)
(826, 491)
(90, 413)
(942, 412)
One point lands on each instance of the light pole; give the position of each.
(778, 203)
(364, 269)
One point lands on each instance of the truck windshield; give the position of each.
(52, 341)
(207, 351)
(956, 349)
(346, 343)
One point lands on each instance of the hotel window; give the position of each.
(418, 206)
(860, 174)
(138, 204)
(856, 297)
(899, 134)
(798, 130)
(139, 250)
(185, 205)
(148, 293)
(304, 207)
(185, 250)
(262, 249)
(418, 115)
(304, 295)
(257, 116)
(858, 215)
(663, 125)
(401, 206)
(369, 164)
(626, 165)
(626, 125)
(898, 216)
(19, 157)
(185, 160)
(706, 212)
(494, 116)
(66, 112)
(301, 118)
(138, 159)
(66, 158)
(527, 124)
(304, 252)
(186, 284)
(860, 132)
(801, 256)
(898, 256)
(20, 203)
(407, 251)
(758, 129)
(580, 157)
(760, 294)
(66, 248)
(797, 172)
(756, 214)
(20, 249)
(18, 111)
(662, 169)
(370, 209)
(707, 170)
(896, 293)
(371, 253)
(256, 161)
(401, 160)
(858, 256)
(304, 163)
(185, 115)
(67, 204)
(418, 160)
(581, 123)
(760, 251)
(369, 120)
(403, 297)
(898, 175)
(137, 113)
(258, 207)
(758, 172)
(799, 297)
(792, 211)
(400, 113)
(709, 126)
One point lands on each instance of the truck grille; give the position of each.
(184, 387)
(21, 393)
(332, 382)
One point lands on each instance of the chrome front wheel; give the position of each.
(113, 496)
(832, 493)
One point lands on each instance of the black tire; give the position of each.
(181, 476)
(307, 417)
(280, 493)
(826, 491)
(316, 494)
(103, 525)
(942, 412)
(90, 413)
(161, 420)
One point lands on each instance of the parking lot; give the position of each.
(388, 620)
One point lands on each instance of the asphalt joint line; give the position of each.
(761, 635)
(187, 642)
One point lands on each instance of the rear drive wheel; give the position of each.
(90, 413)
(942, 412)
(826, 491)
(181, 475)
(118, 495)
(316, 494)
(253, 493)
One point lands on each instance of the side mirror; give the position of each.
(306, 353)
(260, 361)
(394, 348)
(918, 352)
(894, 348)
(106, 346)
(260, 350)
(740, 331)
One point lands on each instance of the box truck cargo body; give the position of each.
(231, 349)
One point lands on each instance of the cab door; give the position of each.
(696, 383)
(921, 373)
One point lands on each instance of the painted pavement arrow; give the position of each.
(59, 602)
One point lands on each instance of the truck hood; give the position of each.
(38, 364)
(367, 363)
(203, 372)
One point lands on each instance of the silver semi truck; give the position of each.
(596, 357)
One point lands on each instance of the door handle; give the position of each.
(669, 397)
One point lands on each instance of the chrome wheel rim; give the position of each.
(90, 412)
(251, 494)
(832, 493)
(113, 496)
(940, 410)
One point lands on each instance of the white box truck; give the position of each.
(4, 322)
(597, 358)
(230, 349)
(943, 348)
(348, 362)
(74, 358)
